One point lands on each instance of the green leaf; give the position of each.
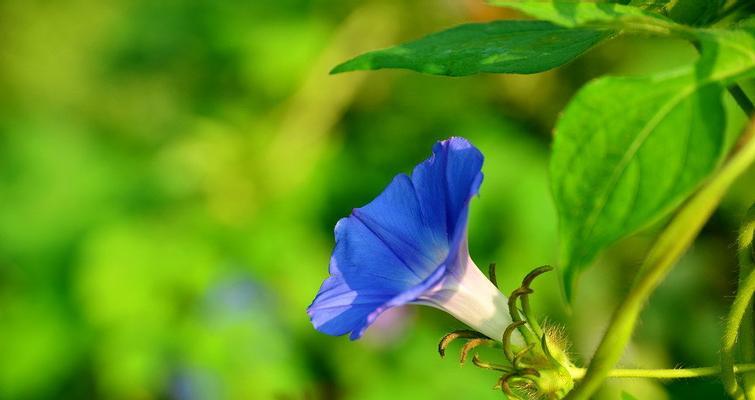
(521, 47)
(654, 5)
(626, 152)
(747, 24)
(627, 396)
(574, 13)
(693, 12)
(727, 55)
(629, 150)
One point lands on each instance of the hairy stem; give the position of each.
(747, 263)
(738, 310)
(739, 324)
(675, 373)
(669, 247)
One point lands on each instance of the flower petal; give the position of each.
(402, 243)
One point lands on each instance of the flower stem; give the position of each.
(747, 263)
(675, 373)
(739, 324)
(738, 309)
(669, 247)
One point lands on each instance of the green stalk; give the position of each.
(672, 243)
(739, 324)
(738, 309)
(670, 373)
(747, 263)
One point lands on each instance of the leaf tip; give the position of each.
(340, 68)
(359, 63)
(568, 284)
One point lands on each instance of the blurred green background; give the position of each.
(171, 172)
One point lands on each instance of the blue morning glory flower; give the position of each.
(409, 246)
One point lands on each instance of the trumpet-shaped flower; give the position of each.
(409, 246)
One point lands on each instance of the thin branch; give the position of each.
(670, 373)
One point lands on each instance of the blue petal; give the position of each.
(404, 242)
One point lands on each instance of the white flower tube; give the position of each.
(470, 297)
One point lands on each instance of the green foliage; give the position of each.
(522, 47)
(170, 175)
(627, 150)
(693, 12)
(615, 134)
(627, 396)
(573, 13)
(727, 55)
(747, 24)
(608, 147)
